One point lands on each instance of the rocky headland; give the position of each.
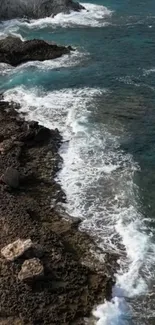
(48, 274)
(14, 51)
(34, 9)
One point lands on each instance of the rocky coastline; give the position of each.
(14, 51)
(34, 9)
(56, 279)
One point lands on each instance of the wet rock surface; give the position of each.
(35, 9)
(14, 51)
(74, 280)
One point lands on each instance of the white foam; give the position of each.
(136, 270)
(5, 69)
(98, 180)
(44, 106)
(148, 71)
(115, 312)
(10, 28)
(66, 61)
(93, 16)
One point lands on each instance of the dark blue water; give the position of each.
(102, 98)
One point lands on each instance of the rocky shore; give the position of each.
(14, 51)
(34, 9)
(48, 275)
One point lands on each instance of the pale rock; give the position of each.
(16, 249)
(31, 269)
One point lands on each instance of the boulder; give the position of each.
(43, 134)
(11, 177)
(34, 9)
(31, 269)
(16, 249)
(14, 51)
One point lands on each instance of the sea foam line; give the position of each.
(66, 61)
(93, 16)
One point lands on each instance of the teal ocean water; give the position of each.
(102, 99)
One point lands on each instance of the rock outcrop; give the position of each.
(31, 269)
(16, 249)
(34, 9)
(14, 51)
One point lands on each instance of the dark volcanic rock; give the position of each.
(10, 321)
(42, 135)
(11, 177)
(14, 51)
(35, 9)
(74, 280)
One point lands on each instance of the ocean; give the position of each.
(102, 99)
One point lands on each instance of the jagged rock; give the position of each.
(14, 51)
(76, 222)
(11, 177)
(33, 124)
(6, 145)
(16, 249)
(38, 250)
(35, 9)
(31, 268)
(43, 134)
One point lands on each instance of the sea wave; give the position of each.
(7, 30)
(147, 72)
(93, 16)
(66, 61)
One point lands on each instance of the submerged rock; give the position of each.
(31, 269)
(14, 51)
(34, 9)
(16, 249)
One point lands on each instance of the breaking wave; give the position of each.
(93, 16)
